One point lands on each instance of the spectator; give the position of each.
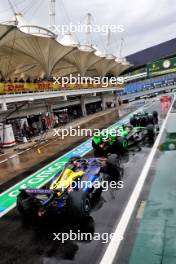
(56, 121)
(28, 80)
(21, 80)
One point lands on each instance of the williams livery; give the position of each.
(71, 190)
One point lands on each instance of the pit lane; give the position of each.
(29, 242)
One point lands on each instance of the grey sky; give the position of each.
(146, 22)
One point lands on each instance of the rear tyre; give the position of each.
(23, 204)
(79, 204)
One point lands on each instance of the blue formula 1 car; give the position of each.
(72, 190)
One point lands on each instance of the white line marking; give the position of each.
(3, 154)
(2, 161)
(119, 232)
(13, 156)
(19, 153)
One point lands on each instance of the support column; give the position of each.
(103, 101)
(83, 106)
(4, 106)
(116, 101)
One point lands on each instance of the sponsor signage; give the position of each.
(161, 67)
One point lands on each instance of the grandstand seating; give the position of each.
(148, 84)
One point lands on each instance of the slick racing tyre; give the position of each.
(133, 121)
(120, 146)
(124, 143)
(79, 204)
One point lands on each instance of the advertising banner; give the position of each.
(164, 66)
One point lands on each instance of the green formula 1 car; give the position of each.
(144, 119)
(120, 139)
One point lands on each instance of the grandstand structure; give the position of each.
(32, 57)
(152, 68)
(26, 52)
(35, 53)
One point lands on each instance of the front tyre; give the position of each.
(120, 146)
